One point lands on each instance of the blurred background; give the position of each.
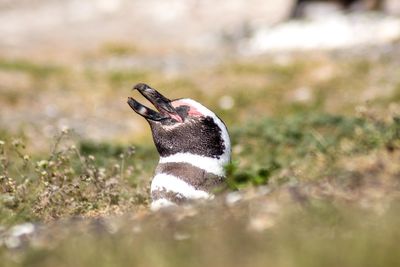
(72, 63)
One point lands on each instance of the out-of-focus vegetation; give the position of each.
(310, 146)
(311, 233)
(316, 152)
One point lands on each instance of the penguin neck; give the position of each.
(208, 164)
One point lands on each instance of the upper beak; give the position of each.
(160, 102)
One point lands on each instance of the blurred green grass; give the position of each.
(26, 66)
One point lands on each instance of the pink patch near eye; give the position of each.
(194, 112)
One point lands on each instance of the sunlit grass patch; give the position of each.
(126, 78)
(118, 49)
(34, 69)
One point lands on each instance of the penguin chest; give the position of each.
(175, 183)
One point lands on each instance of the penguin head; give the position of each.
(183, 126)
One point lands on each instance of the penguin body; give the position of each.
(193, 144)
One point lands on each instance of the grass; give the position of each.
(67, 182)
(118, 49)
(123, 79)
(323, 235)
(300, 140)
(32, 68)
(315, 166)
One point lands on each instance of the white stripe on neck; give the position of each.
(173, 184)
(211, 165)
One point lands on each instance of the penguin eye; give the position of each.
(183, 111)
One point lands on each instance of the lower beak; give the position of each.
(144, 111)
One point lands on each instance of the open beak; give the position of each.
(160, 102)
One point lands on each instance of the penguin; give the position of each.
(193, 144)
